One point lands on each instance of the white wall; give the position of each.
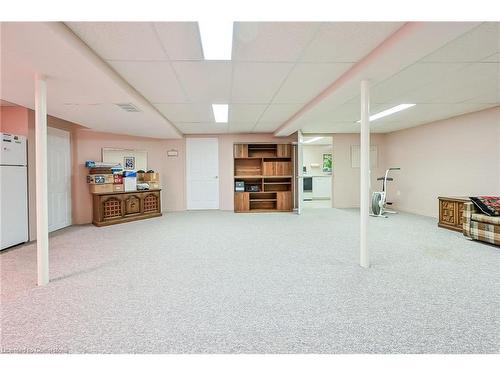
(458, 156)
(314, 154)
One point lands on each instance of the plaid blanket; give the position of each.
(478, 230)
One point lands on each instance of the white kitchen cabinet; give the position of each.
(322, 187)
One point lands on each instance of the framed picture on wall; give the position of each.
(129, 163)
(327, 163)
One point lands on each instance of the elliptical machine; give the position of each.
(379, 198)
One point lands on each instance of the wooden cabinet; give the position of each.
(451, 211)
(240, 151)
(284, 151)
(241, 202)
(267, 173)
(284, 200)
(115, 208)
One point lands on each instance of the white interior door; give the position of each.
(59, 178)
(202, 173)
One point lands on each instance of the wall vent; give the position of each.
(129, 107)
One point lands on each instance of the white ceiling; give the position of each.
(277, 69)
(80, 87)
(453, 77)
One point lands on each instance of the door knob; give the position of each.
(216, 177)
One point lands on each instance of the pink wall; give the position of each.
(457, 156)
(345, 178)
(88, 147)
(14, 120)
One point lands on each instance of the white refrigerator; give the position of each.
(13, 190)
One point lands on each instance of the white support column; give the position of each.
(364, 258)
(42, 230)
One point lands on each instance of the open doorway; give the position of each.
(317, 171)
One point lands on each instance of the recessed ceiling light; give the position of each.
(220, 112)
(216, 40)
(390, 111)
(313, 140)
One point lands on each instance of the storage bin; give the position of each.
(101, 188)
(129, 183)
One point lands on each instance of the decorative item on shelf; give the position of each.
(129, 163)
(239, 186)
(252, 187)
(117, 178)
(327, 163)
(142, 186)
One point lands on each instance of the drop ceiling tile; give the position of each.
(279, 112)
(202, 128)
(308, 80)
(475, 45)
(186, 112)
(246, 113)
(266, 127)
(411, 78)
(205, 81)
(347, 41)
(271, 41)
(464, 84)
(331, 127)
(257, 82)
(241, 127)
(120, 40)
(155, 80)
(180, 39)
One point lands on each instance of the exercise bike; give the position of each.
(379, 198)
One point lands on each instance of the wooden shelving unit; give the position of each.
(267, 172)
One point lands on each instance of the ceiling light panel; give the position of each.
(220, 112)
(216, 39)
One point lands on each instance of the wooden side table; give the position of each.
(451, 210)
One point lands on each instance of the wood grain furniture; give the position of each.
(267, 172)
(451, 210)
(121, 207)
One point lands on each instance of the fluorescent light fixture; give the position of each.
(220, 112)
(313, 140)
(390, 111)
(216, 39)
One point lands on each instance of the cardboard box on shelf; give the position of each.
(118, 187)
(152, 176)
(100, 179)
(101, 188)
(153, 185)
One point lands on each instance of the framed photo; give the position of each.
(327, 163)
(129, 163)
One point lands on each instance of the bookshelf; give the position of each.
(266, 172)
